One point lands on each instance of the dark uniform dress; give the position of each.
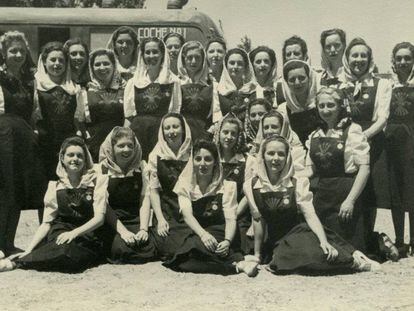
(329, 81)
(291, 245)
(192, 255)
(280, 97)
(397, 189)
(236, 102)
(75, 208)
(168, 172)
(332, 186)
(151, 104)
(22, 179)
(303, 123)
(235, 172)
(58, 123)
(196, 108)
(125, 200)
(106, 111)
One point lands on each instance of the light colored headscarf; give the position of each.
(111, 46)
(285, 179)
(95, 84)
(202, 75)
(291, 101)
(88, 174)
(187, 182)
(163, 150)
(350, 80)
(271, 79)
(107, 157)
(226, 84)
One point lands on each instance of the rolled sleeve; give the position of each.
(100, 194)
(129, 100)
(50, 202)
(356, 149)
(383, 100)
(230, 200)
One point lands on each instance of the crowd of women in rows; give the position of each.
(204, 158)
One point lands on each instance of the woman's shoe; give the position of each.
(2, 255)
(363, 263)
(387, 248)
(248, 267)
(6, 265)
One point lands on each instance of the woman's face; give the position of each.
(124, 45)
(74, 159)
(173, 45)
(275, 155)
(256, 114)
(55, 64)
(203, 162)
(123, 151)
(333, 47)
(271, 126)
(358, 60)
(172, 130)
(228, 135)
(103, 68)
(16, 54)
(193, 61)
(298, 80)
(215, 54)
(152, 54)
(77, 56)
(294, 51)
(236, 65)
(262, 65)
(328, 108)
(403, 60)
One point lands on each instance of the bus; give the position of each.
(94, 26)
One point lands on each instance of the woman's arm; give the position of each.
(95, 222)
(144, 217)
(375, 128)
(40, 234)
(258, 227)
(156, 206)
(242, 206)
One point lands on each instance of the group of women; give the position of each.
(202, 158)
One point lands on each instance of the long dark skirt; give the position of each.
(299, 250)
(82, 253)
(194, 257)
(146, 129)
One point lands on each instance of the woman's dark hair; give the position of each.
(125, 30)
(121, 132)
(53, 46)
(217, 40)
(76, 41)
(74, 141)
(274, 114)
(174, 34)
(335, 31)
(402, 45)
(101, 52)
(262, 48)
(358, 41)
(294, 64)
(262, 102)
(274, 137)
(161, 45)
(178, 116)
(208, 145)
(294, 40)
(237, 51)
(192, 45)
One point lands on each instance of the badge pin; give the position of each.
(214, 207)
(236, 171)
(246, 100)
(286, 201)
(88, 197)
(340, 146)
(365, 96)
(167, 94)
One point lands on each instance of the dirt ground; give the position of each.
(153, 287)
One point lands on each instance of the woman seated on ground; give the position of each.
(208, 204)
(278, 203)
(74, 207)
(127, 236)
(166, 162)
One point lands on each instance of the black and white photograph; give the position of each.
(206, 155)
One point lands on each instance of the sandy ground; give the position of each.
(153, 287)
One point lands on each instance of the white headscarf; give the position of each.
(286, 132)
(111, 46)
(226, 84)
(291, 100)
(201, 76)
(88, 175)
(95, 84)
(271, 79)
(107, 157)
(187, 182)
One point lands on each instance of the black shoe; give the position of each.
(387, 248)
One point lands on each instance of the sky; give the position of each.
(381, 23)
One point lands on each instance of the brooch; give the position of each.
(340, 146)
(236, 171)
(365, 96)
(214, 207)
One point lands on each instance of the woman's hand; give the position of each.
(128, 237)
(329, 250)
(223, 248)
(66, 237)
(209, 241)
(346, 211)
(162, 228)
(141, 236)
